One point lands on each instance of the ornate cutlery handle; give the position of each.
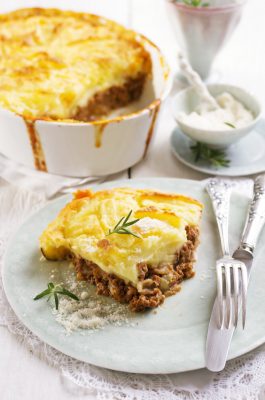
(256, 216)
(220, 192)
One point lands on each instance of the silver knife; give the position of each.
(218, 341)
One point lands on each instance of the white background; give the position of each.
(242, 62)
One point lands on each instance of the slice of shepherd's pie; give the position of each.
(134, 245)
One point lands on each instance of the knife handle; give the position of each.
(256, 216)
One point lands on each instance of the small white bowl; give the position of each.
(187, 100)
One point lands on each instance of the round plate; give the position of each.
(246, 157)
(172, 339)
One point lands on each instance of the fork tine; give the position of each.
(219, 270)
(244, 293)
(228, 295)
(236, 292)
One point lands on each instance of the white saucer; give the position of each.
(246, 157)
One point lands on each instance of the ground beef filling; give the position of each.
(111, 99)
(155, 283)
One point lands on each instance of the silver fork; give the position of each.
(231, 273)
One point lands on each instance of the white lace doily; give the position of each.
(243, 378)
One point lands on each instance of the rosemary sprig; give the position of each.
(122, 226)
(194, 3)
(231, 125)
(215, 157)
(54, 291)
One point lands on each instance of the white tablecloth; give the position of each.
(22, 374)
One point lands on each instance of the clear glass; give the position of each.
(202, 31)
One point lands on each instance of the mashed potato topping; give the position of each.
(82, 226)
(52, 61)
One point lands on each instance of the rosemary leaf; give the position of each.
(231, 125)
(50, 286)
(193, 3)
(67, 293)
(128, 217)
(131, 222)
(56, 298)
(42, 294)
(127, 232)
(54, 291)
(122, 225)
(120, 221)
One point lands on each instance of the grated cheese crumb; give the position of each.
(92, 312)
(84, 295)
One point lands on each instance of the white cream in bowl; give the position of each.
(218, 128)
(231, 114)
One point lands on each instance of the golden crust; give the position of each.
(141, 194)
(82, 228)
(52, 61)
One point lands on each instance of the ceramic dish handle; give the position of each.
(220, 192)
(256, 216)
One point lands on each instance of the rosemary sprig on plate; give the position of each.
(122, 226)
(54, 291)
(217, 158)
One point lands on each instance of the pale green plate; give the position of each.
(173, 339)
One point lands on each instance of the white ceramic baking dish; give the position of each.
(95, 148)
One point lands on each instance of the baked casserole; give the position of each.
(63, 65)
(134, 245)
